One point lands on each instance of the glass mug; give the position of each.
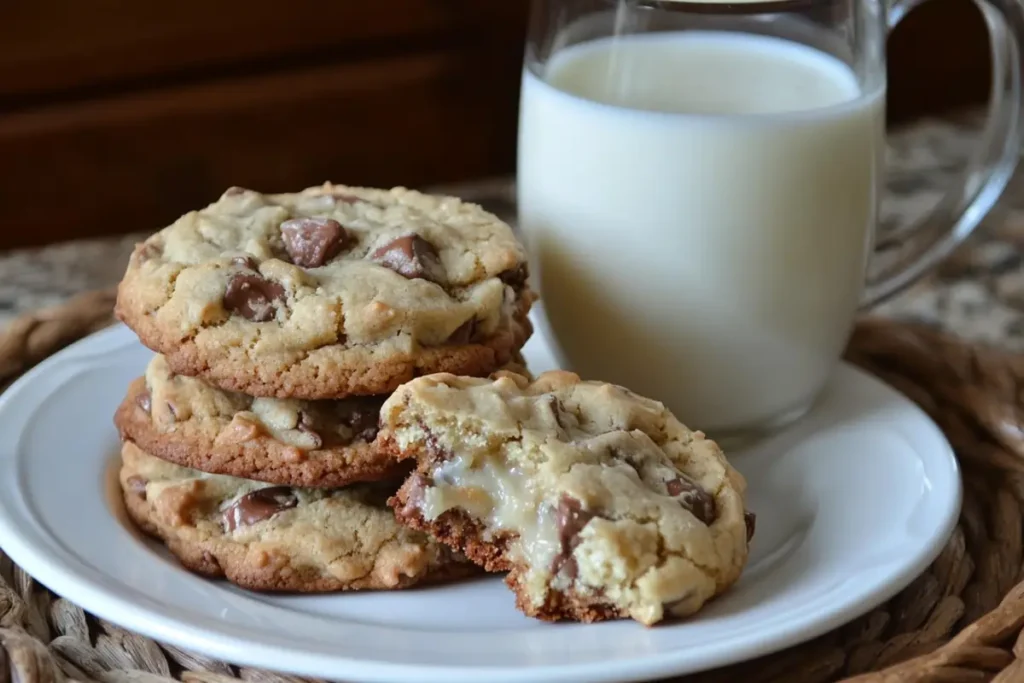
(698, 186)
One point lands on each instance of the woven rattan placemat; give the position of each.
(958, 622)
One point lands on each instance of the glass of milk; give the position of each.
(699, 187)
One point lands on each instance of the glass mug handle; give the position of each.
(936, 234)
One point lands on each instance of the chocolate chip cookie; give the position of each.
(278, 538)
(329, 292)
(282, 441)
(598, 502)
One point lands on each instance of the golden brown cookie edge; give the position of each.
(261, 459)
(213, 561)
(303, 376)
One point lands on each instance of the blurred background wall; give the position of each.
(119, 115)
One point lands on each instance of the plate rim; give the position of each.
(84, 583)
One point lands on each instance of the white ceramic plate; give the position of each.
(852, 503)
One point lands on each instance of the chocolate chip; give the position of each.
(693, 498)
(463, 334)
(145, 401)
(247, 262)
(750, 519)
(259, 505)
(234, 191)
(558, 411)
(412, 257)
(566, 564)
(172, 409)
(312, 242)
(570, 518)
(306, 427)
(516, 277)
(137, 485)
(253, 297)
(361, 416)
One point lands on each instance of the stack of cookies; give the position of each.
(282, 324)
(332, 410)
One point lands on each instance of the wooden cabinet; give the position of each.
(67, 48)
(118, 115)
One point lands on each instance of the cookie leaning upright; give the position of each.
(599, 503)
(329, 292)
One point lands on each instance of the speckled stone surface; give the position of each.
(977, 293)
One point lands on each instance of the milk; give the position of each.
(700, 227)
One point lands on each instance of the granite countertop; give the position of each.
(977, 293)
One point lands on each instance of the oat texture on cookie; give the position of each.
(329, 292)
(279, 538)
(599, 503)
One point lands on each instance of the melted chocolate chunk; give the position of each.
(516, 278)
(361, 415)
(433, 447)
(558, 411)
(145, 401)
(253, 297)
(693, 498)
(570, 518)
(137, 485)
(412, 257)
(259, 505)
(312, 242)
(463, 334)
(750, 519)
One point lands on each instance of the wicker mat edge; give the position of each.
(958, 622)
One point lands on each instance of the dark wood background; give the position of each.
(119, 115)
